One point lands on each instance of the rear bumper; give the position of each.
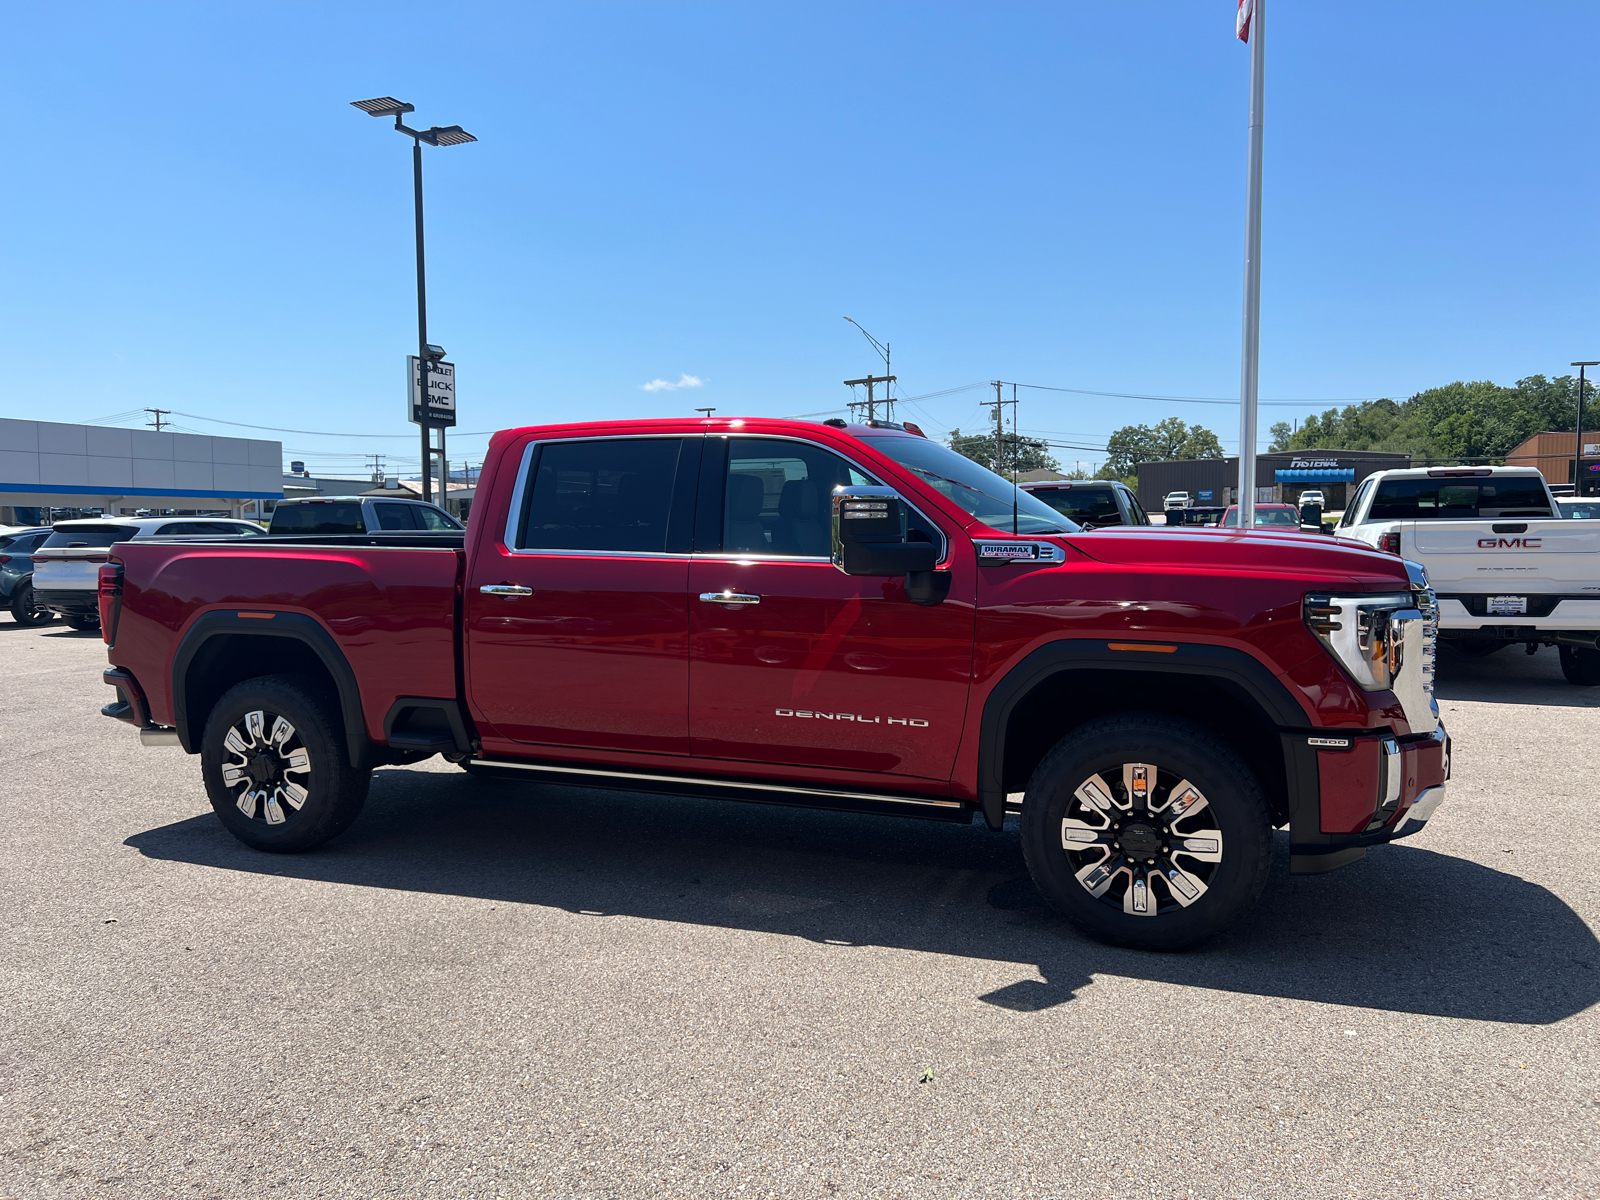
(1351, 791)
(1462, 613)
(78, 601)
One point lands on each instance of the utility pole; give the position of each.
(871, 405)
(377, 467)
(999, 423)
(158, 413)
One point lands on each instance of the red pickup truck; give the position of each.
(846, 616)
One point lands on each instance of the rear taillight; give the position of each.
(110, 597)
(1389, 543)
(4, 559)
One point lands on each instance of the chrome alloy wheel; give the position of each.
(266, 751)
(1147, 843)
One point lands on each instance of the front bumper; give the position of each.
(1351, 791)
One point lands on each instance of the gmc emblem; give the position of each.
(1517, 543)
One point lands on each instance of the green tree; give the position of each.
(1020, 453)
(1281, 432)
(1162, 442)
(1459, 420)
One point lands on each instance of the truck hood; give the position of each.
(1317, 558)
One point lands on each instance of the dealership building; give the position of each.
(1280, 477)
(48, 465)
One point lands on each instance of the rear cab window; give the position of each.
(319, 516)
(1086, 506)
(1459, 499)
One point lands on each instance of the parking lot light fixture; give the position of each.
(437, 135)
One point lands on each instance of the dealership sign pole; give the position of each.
(1250, 19)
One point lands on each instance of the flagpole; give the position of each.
(1251, 350)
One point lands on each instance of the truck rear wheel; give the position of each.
(1580, 666)
(275, 767)
(1146, 831)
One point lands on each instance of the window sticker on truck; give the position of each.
(806, 713)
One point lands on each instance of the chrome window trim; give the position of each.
(509, 537)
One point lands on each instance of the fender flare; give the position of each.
(1069, 654)
(296, 626)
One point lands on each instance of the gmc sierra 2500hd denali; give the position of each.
(846, 616)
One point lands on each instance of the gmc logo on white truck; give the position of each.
(1516, 543)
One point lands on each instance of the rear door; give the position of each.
(577, 620)
(791, 660)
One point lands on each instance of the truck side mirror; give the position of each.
(869, 538)
(1311, 518)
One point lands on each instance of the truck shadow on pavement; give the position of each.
(1406, 930)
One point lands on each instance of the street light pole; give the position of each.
(437, 135)
(1577, 449)
(422, 321)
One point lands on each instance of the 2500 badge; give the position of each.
(806, 713)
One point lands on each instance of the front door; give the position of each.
(577, 623)
(791, 660)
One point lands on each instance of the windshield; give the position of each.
(1442, 499)
(1582, 510)
(89, 535)
(974, 488)
(1275, 515)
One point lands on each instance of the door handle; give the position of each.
(730, 598)
(505, 589)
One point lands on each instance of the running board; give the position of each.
(704, 786)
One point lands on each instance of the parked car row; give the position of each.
(51, 570)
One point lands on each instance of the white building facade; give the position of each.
(48, 464)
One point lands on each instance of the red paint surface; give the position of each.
(1349, 780)
(615, 659)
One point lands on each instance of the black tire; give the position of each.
(25, 607)
(1192, 898)
(299, 788)
(82, 622)
(1580, 666)
(1475, 648)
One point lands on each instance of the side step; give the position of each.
(932, 808)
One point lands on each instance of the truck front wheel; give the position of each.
(1580, 666)
(275, 767)
(1146, 831)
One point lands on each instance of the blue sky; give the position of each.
(1044, 193)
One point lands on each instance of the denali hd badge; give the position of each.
(844, 716)
(997, 552)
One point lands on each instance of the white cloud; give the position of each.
(666, 385)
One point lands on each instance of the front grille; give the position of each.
(1428, 606)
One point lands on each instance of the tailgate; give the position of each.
(66, 570)
(1482, 556)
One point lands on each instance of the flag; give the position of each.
(1241, 25)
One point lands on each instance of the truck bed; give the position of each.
(388, 600)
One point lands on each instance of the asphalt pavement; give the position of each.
(491, 989)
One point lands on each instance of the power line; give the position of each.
(1197, 399)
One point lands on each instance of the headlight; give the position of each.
(1379, 639)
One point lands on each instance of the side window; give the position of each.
(602, 495)
(1349, 517)
(778, 498)
(1136, 514)
(395, 516)
(432, 518)
(173, 528)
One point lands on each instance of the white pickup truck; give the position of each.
(1505, 564)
